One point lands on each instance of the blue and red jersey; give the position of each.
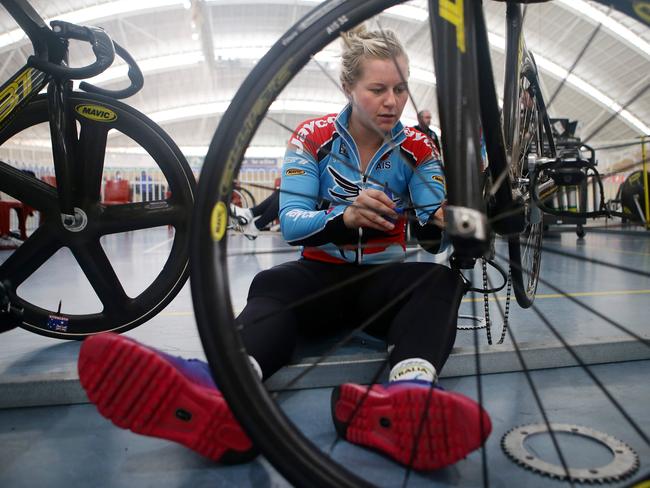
(321, 176)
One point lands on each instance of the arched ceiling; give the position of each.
(187, 94)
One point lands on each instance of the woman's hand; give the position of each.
(370, 209)
(439, 215)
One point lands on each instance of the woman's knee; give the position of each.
(283, 283)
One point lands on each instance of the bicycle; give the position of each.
(72, 213)
(506, 199)
(242, 197)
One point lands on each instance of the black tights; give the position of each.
(267, 210)
(421, 323)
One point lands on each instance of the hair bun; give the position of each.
(359, 31)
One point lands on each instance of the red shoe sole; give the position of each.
(139, 390)
(389, 420)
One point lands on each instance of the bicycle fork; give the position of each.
(454, 47)
(63, 133)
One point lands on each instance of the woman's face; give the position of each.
(380, 93)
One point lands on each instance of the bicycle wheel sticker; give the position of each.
(96, 112)
(218, 221)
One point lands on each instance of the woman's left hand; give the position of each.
(439, 215)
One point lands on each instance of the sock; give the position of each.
(413, 369)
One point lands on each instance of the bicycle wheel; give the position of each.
(117, 310)
(525, 249)
(247, 198)
(286, 447)
(527, 133)
(273, 432)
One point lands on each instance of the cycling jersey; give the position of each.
(321, 176)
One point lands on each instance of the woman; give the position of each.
(345, 178)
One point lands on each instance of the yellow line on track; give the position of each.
(541, 296)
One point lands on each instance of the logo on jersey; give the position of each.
(295, 160)
(344, 189)
(438, 178)
(304, 134)
(383, 164)
(294, 172)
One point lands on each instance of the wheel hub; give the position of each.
(76, 222)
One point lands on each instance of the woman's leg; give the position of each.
(279, 307)
(408, 419)
(423, 323)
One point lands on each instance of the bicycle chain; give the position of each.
(486, 306)
(488, 325)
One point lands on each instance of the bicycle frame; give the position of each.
(467, 95)
(28, 82)
(455, 44)
(49, 66)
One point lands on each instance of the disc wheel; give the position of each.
(119, 311)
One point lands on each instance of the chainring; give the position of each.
(624, 463)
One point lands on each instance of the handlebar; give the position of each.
(135, 76)
(101, 43)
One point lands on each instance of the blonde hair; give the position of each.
(360, 43)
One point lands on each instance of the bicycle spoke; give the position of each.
(592, 310)
(142, 215)
(588, 371)
(614, 115)
(30, 256)
(27, 189)
(481, 402)
(537, 397)
(337, 158)
(100, 273)
(575, 63)
(637, 272)
(592, 375)
(327, 290)
(325, 200)
(378, 130)
(357, 407)
(90, 160)
(393, 301)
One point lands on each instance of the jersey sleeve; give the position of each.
(302, 219)
(427, 188)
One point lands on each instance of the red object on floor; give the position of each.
(116, 192)
(22, 210)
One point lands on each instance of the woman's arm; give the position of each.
(306, 219)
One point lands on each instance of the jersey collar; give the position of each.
(342, 122)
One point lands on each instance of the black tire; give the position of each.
(120, 312)
(294, 456)
(246, 197)
(525, 250)
(525, 131)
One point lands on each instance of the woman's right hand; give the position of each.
(370, 209)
